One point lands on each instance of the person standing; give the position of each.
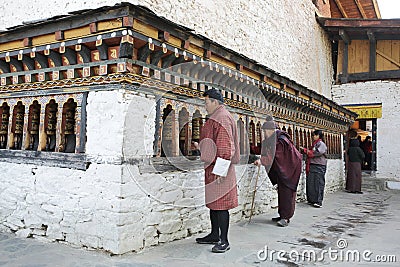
(367, 147)
(219, 140)
(316, 169)
(282, 161)
(356, 157)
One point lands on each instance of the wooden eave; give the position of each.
(364, 9)
(361, 29)
(128, 14)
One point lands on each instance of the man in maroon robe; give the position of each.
(219, 139)
(282, 161)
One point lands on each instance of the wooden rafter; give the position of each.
(341, 9)
(361, 9)
(376, 8)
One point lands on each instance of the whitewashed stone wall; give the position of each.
(281, 34)
(387, 93)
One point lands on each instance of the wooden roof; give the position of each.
(361, 29)
(361, 9)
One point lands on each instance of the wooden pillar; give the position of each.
(345, 71)
(42, 132)
(59, 133)
(372, 54)
(25, 135)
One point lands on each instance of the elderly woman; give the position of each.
(282, 161)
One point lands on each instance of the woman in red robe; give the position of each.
(283, 164)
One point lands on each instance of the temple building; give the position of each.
(99, 109)
(367, 81)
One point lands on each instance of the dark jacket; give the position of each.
(354, 152)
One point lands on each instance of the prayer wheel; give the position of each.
(70, 121)
(196, 129)
(51, 120)
(19, 120)
(35, 120)
(4, 122)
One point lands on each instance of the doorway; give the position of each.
(366, 134)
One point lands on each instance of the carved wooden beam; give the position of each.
(143, 53)
(155, 57)
(41, 60)
(56, 58)
(70, 55)
(4, 66)
(84, 52)
(17, 64)
(28, 62)
(125, 50)
(103, 50)
(178, 60)
(167, 61)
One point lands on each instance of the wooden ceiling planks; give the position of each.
(364, 9)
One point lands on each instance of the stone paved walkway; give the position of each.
(357, 223)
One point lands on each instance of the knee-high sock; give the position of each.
(214, 223)
(223, 221)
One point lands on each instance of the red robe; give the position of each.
(283, 164)
(219, 138)
(282, 161)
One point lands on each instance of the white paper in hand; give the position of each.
(221, 167)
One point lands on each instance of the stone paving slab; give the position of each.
(360, 222)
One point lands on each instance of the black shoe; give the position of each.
(221, 247)
(317, 205)
(359, 192)
(208, 239)
(276, 219)
(283, 222)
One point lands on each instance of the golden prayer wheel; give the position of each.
(258, 136)
(35, 121)
(196, 129)
(4, 123)
(51, 120)
(70, 121)
(19, 121)
(251, 133)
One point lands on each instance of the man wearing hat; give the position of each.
(219, 141)
(282, 161)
